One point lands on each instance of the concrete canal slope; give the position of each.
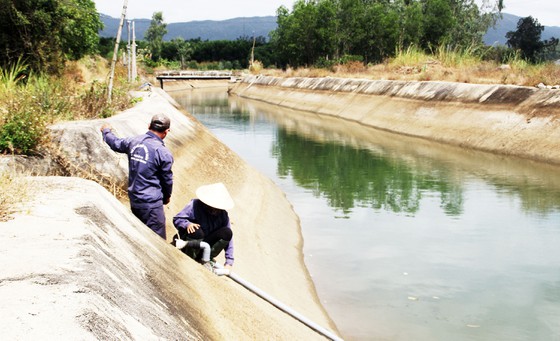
(510, 120)
(76, 264)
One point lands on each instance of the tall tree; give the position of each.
(154, 35)
(47, 32)
(438, 22)
(287, 37)
(80, 30)
(409, 22)
(527, 39)
(352, 25)
(383, 33)
(305, 20)
(470, 24)
(328, 29)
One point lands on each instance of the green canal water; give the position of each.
(406, 239)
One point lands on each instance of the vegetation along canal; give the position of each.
(406, 239)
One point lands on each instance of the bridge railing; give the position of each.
(184, 73)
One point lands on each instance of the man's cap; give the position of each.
(160, 123)
(215, 195)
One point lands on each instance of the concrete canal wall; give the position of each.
(511, 120)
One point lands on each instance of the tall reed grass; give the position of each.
(444, 55)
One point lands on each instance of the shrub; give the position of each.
(23, 126)
(350, 58)
(22, 107)
(324, 63)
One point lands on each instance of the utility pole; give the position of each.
(128, 52)
(116, 52)
(134, 70)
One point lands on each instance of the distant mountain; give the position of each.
(508, 23)
(232, 29)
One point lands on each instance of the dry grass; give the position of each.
(87, 171)
(446, 66)
(14, 192)
(88, 78)
(256, 67)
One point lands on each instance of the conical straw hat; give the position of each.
(215, 195)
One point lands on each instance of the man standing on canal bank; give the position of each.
(150, 178)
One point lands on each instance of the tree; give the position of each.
(373, 30)
(527, 39)
(305, 20)
(81, 27)
(45, 33)
(298, 32)
(154, 35)
(278, 37)
(328, 29)
(382, 34)
(438, 22)
(470, 24)
(409, 23)
(352, 26)
(230, 52)
(184, 50)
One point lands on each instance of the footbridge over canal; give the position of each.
(190, 75)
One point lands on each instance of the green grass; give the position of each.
(11, 76)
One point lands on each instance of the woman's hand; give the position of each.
(192, 227)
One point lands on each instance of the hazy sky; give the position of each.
(547, 12)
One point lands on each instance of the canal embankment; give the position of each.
(78, 265)
(510, 120)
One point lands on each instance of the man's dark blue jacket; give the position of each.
(150, 179)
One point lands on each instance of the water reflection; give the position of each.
(369, 167)
(348, 177)
(437, 242)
